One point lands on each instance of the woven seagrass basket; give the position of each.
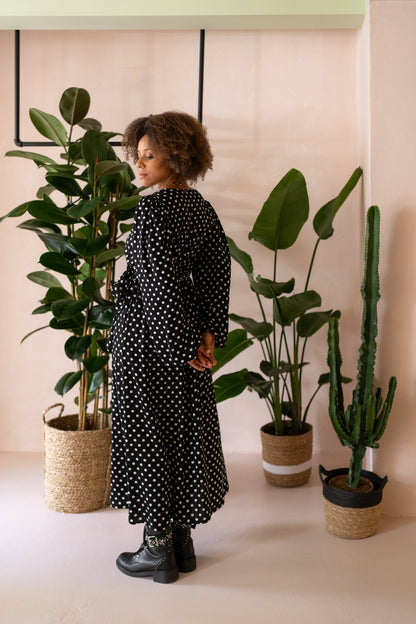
(77, 465)
(349, 514)
(286, 458)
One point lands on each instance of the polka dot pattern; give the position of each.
(167, 460)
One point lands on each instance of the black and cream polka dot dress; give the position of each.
(167, 460)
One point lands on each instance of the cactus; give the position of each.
(363, 423)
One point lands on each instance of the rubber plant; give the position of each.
(287, 320)
(362, 424)
(79, 215)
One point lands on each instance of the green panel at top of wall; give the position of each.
(210, 14)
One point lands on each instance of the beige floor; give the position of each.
(265, 558)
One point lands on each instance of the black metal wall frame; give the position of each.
(21, 143)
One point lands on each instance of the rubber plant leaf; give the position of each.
(74, 105)
(48, 212)
(67, 382)
(56, 262)
(49, 126)
(44, 278)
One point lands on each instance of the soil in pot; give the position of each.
(340, 482)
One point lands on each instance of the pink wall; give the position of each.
(273, 100)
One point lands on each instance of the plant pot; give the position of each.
(77, 465)
(287, 459)
(351, 514)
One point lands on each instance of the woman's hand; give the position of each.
(205, 353)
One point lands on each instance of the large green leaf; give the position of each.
(269, 288)
(94, 147)
(101, 316)
(324, 218)
(54, 293)
(110, 254)
(229, 386)
(95, 363)
(95, 381)
(49, 212)
(16, 212)
(310, 323)
(38, 158)
(74, 105)
(259, 330)
(49, 126)
(240, 256)
(237, 342)
(257, 382)
(126, 203)
(75, 347)
(92, 289)
(108, 167)
(44, 278)
(60, 244)
(39, 226)
(65, 184)
(64, 309)
(74, 324)
(283, 214)
(84, 208)
(287, 309)
(67, 382)
(56, 262)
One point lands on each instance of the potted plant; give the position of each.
(352, 496)
(288, 320)
(79, 215)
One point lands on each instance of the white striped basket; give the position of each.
(287, 459)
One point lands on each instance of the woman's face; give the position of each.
(152, 168)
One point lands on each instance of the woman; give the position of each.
(171, 310)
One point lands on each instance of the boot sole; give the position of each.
(159, 576)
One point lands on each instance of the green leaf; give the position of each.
(16, 212)
(126, 203)
(287, 309)
(96, 381)
(74, 105)
(110, 254)
(65, 309)
(269, 288)
(237, 342)
(229, 386)
(90, 124)
(240, 256)
(256, 382)
(101, 317)
(322, 222)
(258, 330)
(42, 309)
(39, 226)
(49, 212)
(125, 227)
(283, 214)
(44, 278)
(95, 363)
(33, 332)
(56, 262)
(60, 244)
(84, 208)
(55, 293)
(108, 167)
(65, 184)
(310, 323)
(97, 245)
(75, 347)
(49, 126)
(38, 158)
(91, 288)
(94, 147)
(74, 324)
(67, 382)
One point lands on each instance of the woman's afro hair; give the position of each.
(178, 137)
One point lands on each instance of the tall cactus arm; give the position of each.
(370, 416)
(335, 363)
(381, 421)
(370, 291)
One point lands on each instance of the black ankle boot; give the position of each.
(155, 557)
(184, 548)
